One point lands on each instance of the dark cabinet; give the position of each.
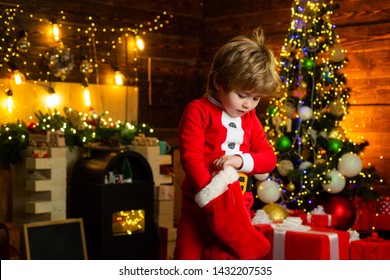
(118, 217)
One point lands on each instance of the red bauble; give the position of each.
(31, 126)
(342, 209)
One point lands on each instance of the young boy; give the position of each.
(221, 143)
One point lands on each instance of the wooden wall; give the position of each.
(174, 50)
(364, 30)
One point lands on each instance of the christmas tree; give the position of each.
(315, 157)
(127, 171)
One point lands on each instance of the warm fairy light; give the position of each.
(18, 77)
(90, 37)
(56, 32)
(10, 103)
(52, 100)
(87, 96)
(119, 78)
(140, 43)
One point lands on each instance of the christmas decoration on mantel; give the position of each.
(317, 163)
(79, 130)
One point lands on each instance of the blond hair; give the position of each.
(245, 64)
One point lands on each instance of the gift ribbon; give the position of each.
(280, 237)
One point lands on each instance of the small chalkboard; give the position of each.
(55, 240)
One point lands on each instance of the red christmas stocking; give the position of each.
(229, 220)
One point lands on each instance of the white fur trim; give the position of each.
(248, 163)
(217, 186)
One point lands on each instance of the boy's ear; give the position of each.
(216, 83)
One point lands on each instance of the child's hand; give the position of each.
(223, 161)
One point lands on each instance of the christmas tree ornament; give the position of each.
(337, 133)
(319, 161)
(305, 165)
(337, 182)
(350, 165)
(86, 67)
(268, 191)
(290, 187)
(284, 167)
(272, 110)
(312, 44)
(336, 108)
(334, 145)
(59, 61)
(283, 143)
(261, 177)
(23, 44)
(308, 63)
(337, 53)
(342, 209)
(31, 126)
(305, 113)
(276, 212)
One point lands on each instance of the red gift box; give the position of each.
(383, 207)
(314, 244)
(363, 220)
(320, 220)
(381, 222)
(315, 220)
(370, 249)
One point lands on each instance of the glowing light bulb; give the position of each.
(18, 77)
(140, 43)
(56, 32)
(87, 97)
(52, 100)
(10, 103)
(119, 78)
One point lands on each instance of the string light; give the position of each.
(10, 102)
(53, 99)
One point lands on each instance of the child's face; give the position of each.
(237, 104)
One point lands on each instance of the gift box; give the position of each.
(370, 249)
(317, 218)
(381, 221)
(363, 221)
(320, 220)
(383, 207)
(312, 244)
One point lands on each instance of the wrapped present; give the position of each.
(363, 220)
(321, 220)
(317, 218)
(381, 221)
(372, 248)
(383, 207)
(361, 204)
(305, 243)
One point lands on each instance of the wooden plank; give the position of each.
(366, 90)
(367, 119)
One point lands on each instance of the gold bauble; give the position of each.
(290, 187)
(276, 212)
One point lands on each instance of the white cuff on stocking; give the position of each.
(217, 186)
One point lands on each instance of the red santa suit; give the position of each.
(214, 221)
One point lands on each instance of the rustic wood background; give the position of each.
(181, 54)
